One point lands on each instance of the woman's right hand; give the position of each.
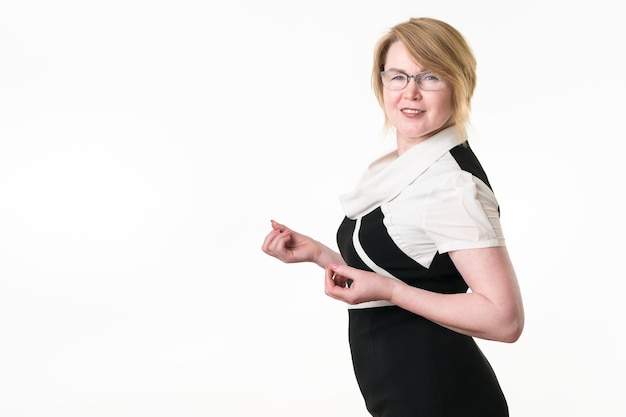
(289, 246)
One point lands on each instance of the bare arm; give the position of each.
(492, 310)
(290, 246)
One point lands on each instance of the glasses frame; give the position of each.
(417, 77)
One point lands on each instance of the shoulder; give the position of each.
(468, 162)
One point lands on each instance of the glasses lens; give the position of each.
(394, 80)
(430, 82)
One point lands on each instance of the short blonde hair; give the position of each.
(440, 48)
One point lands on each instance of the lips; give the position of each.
(411, 111)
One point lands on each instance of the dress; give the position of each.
(403, 217)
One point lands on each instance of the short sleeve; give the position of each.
(463, 214)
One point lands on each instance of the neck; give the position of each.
(406, 143)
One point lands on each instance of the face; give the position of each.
(415, 114)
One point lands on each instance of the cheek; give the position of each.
(390, 99)
(445, 103)
(449, 109)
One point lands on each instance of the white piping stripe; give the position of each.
(359, 250)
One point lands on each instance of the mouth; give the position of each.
(411, 111)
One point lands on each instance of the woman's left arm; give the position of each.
(492, 309)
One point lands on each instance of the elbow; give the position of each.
(512, 329)
(512, 333)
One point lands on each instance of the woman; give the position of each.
(422, 261)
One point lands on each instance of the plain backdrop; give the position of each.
(145, 146)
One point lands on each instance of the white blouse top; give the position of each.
(430, 203)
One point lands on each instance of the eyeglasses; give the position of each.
(396, 80)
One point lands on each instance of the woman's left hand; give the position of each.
(355, 286)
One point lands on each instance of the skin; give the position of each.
(434, 107)
(492, 309)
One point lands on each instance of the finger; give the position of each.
(330, 287)
(276, 242)
(336, 286)
(269, 240)
(278, 226)
(340, 280)
(345, 271)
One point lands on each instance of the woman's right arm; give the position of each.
(291, 247)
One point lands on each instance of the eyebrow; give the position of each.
(404, 72)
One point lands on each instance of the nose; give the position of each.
(412, 90)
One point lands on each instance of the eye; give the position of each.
(398, 77)
(430, 77)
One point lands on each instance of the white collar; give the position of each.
(388, 175)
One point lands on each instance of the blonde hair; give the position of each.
(440, 48)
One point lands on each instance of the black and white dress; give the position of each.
(402, 219)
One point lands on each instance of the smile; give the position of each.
(411, 111)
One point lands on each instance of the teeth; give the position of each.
(411, 111)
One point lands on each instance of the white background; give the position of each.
(145, 145)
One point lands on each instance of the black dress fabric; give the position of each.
(406, 365)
